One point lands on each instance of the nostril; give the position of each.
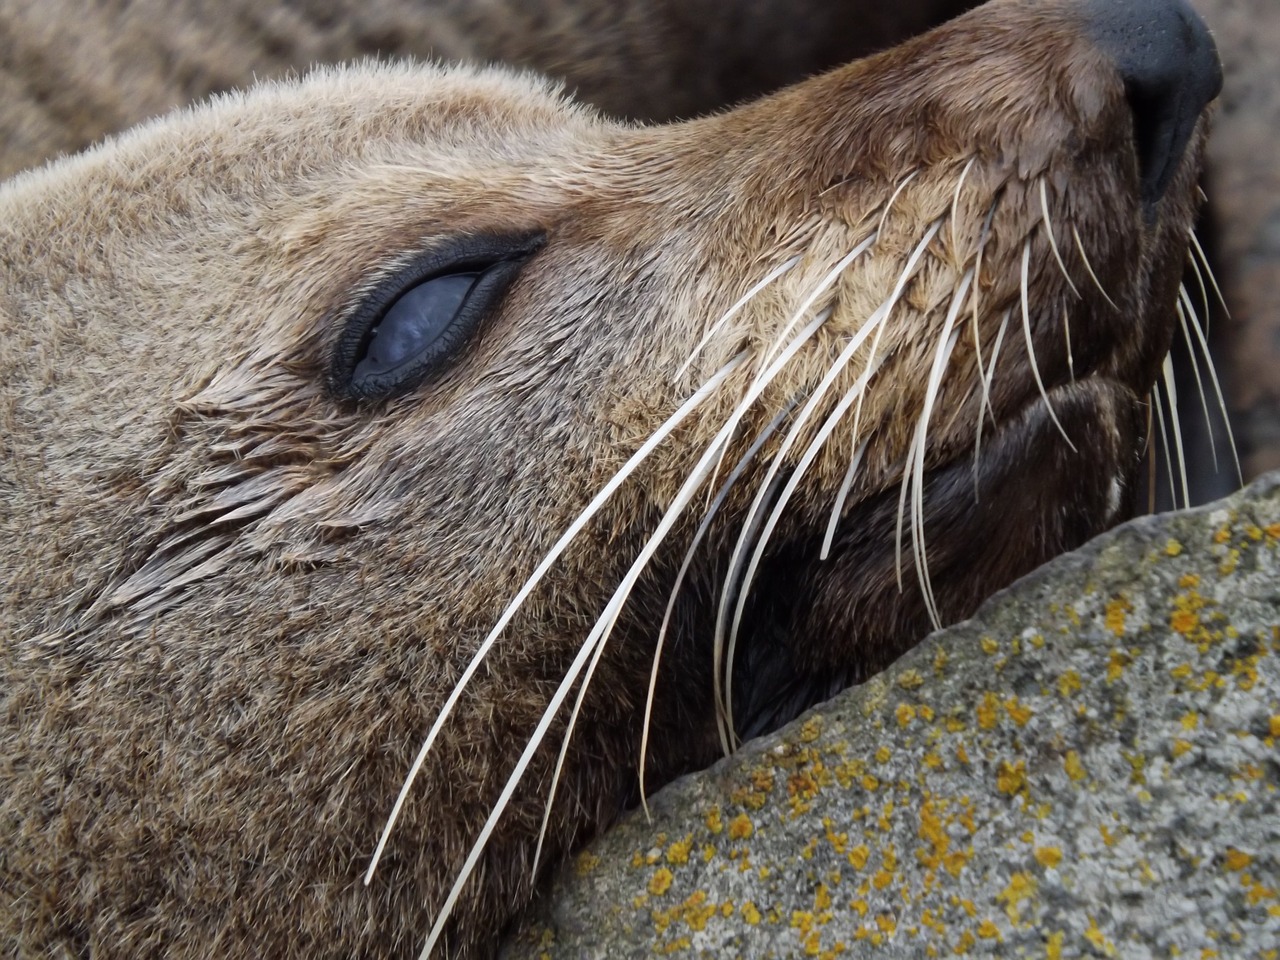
(1171, 72)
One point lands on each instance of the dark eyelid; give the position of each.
(419, 348)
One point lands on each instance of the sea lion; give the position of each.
(400, 399)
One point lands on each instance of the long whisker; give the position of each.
(823, 286)
(713, 510)
(1031, 348)
(1171, 390)
(745, 299)
(590, 650)
(846, 485)
(1066, 332)
(1222, 403)
(1183, 308)
(955, 204)
(880, 316)
(1165, 445)
(636, 459)
(1204, 290)
(1053, 243)
(946, 343)
(701, 471)
(884, 217)
(1213, 280)
(1084, 258)
(986, 395)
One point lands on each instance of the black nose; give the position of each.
(1171, 72)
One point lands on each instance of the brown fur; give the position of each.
(71, 73)
(233, 603)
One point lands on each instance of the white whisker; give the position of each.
(1031, 349)
(636, 459)
(878, 317)
(713, 510)
(846, 485)
(1084, 258)
(1222, 403)
(1053, 243)
(1171, 391)
(1183, 308)
(986, 395)
(946, 344)
(1213, 280)
(1066, 332)
(955, 205)
(590, 650)
(823, 286)
(746, 298)
(893, 197)
(1165, 445)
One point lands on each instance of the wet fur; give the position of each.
(234, 603)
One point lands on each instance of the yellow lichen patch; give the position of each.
(1173, 548)
(1273, 725)
(870, 783)
(1182, 671)
(1018, 712)
(1053, 946)
(1099, 940)
(1190, 720)
(750, 913)
(910, 679)
(1118, 609)
(678, 852)
(883, 754)
(926, 712)
(810, 730)
(585, 862)
(1237, 860)
(1048, 857)
(1179, 748)
(858, 856)
(1069, 683)
(1020, 889)
(904, 714)
(660, 882)
(988, 711)
(1116, 662)
(987, 930)
(714, 821)
(964, 944)
(1074, 768)
(1188, 581)
(940, 660)
(741, 827)
(989, 646)
(1011, 779)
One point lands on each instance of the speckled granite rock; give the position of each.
(1088, 768)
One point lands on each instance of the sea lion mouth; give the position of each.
(1048, 478)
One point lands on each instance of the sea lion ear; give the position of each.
(412, 323)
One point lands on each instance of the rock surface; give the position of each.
(1089, 767)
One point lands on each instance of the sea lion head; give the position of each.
(395, 395)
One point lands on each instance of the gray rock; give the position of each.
(1089, 767)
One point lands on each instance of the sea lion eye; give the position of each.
(415, 321)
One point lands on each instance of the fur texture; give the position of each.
(234, 602)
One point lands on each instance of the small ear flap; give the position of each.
(416, 321)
